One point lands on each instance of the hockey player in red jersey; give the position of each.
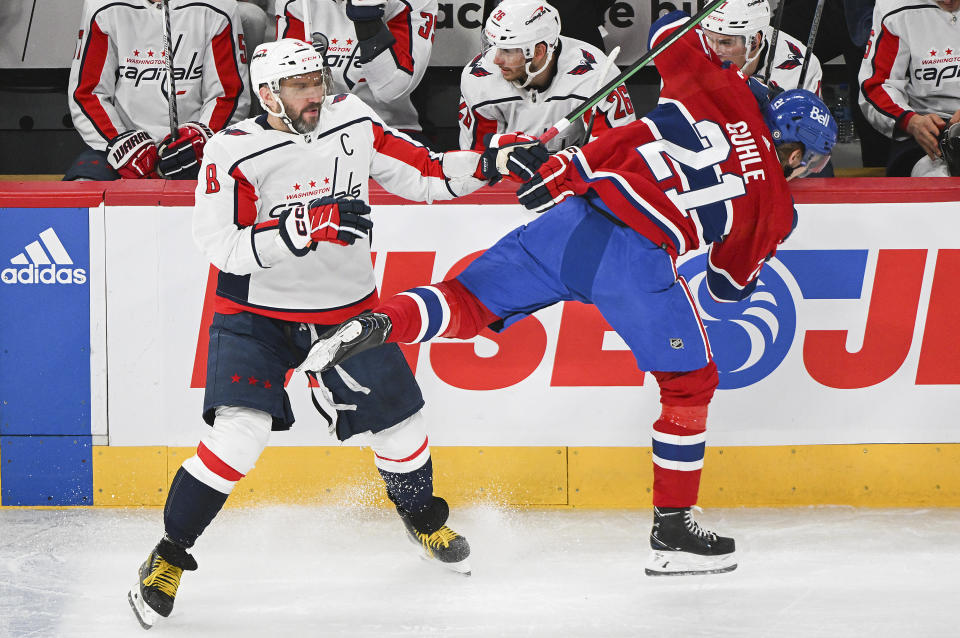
(280, 212)
(706, 167)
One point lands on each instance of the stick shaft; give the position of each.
(777, 21)
(171, 84)
(811, 40)
(307, 32)
(644, 60)
(611, 58)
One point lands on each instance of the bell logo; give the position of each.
(821, 116)
(38, 266)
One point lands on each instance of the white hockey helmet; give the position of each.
(284, 58)
(522, 24)
(739, 17)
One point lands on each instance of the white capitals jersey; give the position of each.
(788, 64)
(251, 173)
(912, 64)
(118, 78)
(385, 82)
(491, 104)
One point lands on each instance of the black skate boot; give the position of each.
(156, 588)
(680, 546)
(437, 542)
(353, 336)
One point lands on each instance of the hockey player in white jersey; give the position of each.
(118, 91)
(529, 76)
(376, 49)
(281, 213)
(909, 87)
(739, 31)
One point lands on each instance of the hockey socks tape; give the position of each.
(402, 448)
(679, 443)
(230, 448)
(432, 309)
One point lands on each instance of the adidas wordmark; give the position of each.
(39, 266)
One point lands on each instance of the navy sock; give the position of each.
(411, 492)
(190, 507)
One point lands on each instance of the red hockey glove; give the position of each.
(180, 157)
(546, 189)
(340, 221)
(133, 154)
(515, 156)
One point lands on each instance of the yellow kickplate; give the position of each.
(876, 475)
(129, 476)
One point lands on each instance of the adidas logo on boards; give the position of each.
(39, 266)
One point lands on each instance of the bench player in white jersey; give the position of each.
(118, 87)
(910, 81)
(280, 211)
(739, 32)
(529, 76)
(376, 49)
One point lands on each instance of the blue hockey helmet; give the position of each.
(798, 115)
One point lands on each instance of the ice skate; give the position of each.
(437, 542)
(153, 595)
(351, 337)
(681, 547)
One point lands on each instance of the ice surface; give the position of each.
(325, 571)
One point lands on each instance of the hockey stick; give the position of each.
(603, 73)
(610, 86)
(307, 34)
(171, 85)
(811, 40)
(777, 21)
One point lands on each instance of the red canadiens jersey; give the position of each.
(252, 173)
(118, 79)
(699, 169)
(385, 82)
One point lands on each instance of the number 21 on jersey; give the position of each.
(696, 164)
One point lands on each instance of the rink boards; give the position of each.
(839, 376)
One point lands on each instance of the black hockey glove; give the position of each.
(949, 143)
(515, 156)
(365, 10)
(547, 188)
(294, 230)
(180, 157)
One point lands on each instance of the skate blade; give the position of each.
(145, 615)
(663, 563)
(460, 567)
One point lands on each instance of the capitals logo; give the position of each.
(749, 338)
(586, 64)
(794, 60)
(477, 69)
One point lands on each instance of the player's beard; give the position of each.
(306, 124)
